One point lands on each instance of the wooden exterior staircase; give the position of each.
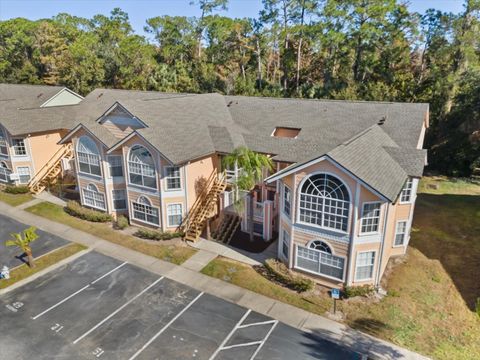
(204, 207)
(50, 172)
(227, 228)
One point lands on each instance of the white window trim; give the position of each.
(126, 200)
(318, 274)
(109, 170)
(373, 265)
(379, 219)
(29, 173)
(168, 219)
(144, 221)
(404, 234)
(283, 201)
(297, 206)
(410, 201)
(127, 172)
(93, 206)
(283, 241)
(24, 145)
(165, 168)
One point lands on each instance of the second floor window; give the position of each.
(88, 156)
(406, 194)
(141, 167)
(370, 218)
(324, 202)
(19, 147)
(172, 176)
(400, 233)
(3, 143)
(287, 200)
(115, 165)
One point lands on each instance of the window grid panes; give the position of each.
(400, 233)
(19, 147)
(4, 173)
(144, 211)
(92, 197)
(141, 167)
(172, 175)
(287, 201)
(119, 199)
(370, 217)
(23, 174)
(325, 202)
(3, 143)
(285, 244)
(364, 268)
(115, 166)
(406, 194)
(174, 214)
(88, 157)
(320, 262)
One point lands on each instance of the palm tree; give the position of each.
(22, 241)
(252, 165)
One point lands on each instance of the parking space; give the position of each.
(9, 256)
(97, 307)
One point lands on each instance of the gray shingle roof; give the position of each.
(184, 127)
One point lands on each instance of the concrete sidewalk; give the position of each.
(188, 274)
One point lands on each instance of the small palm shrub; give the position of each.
(17, 189)
(75, 209)
(22, 241)
(157, 235)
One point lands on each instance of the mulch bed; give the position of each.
(241, 240)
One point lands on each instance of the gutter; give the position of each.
(382, 245)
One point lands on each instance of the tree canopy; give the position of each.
(333, 49)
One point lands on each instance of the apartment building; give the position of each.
(341, 197)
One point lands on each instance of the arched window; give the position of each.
(4, 172)
(141, 167)
(92, 197)
(320, 246)
(3, 143)
(325, 202)
(144, 211)
(88, 156)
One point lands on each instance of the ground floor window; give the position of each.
(144, 211)
(4, 172)
(92, 197)
(174, 214)
(364, 267)
(318, 261)
(119, 199)
(400, 233)
(23, 174)
(285, 244)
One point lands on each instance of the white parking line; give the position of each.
(230, 335)
(118, 310)
(264, 340)
(165, 327)
(77, 292)
(242, 345)
(257, 324)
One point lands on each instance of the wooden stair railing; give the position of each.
(204, 207)
(227, 228)
(51, 170)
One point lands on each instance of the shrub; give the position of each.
(75, 209)
(477, 307)
(17, 189)
(156, 235)
(122, 222)
(281, 273)
(364, 290)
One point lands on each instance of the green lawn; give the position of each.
(429, 308)
(176, 254)
(15, 199)
(24, 271)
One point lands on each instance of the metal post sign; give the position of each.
(335, 294)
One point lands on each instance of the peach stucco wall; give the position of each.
(43, 146)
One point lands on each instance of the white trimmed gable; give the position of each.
(63, 97)
(120, 122)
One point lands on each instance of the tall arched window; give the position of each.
(144, 211)
(4, 172)
(92, 197)
(88, 156)
(3, 143)
(325, 202)
(141, 167)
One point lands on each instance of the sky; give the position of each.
(140, 10)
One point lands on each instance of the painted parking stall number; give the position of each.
(13, 307)
(57, 328)
(98, 352)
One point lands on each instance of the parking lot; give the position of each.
(99, 307)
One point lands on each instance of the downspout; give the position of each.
(353, 234)
(382, 245)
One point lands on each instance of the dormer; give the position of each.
(120, 122)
